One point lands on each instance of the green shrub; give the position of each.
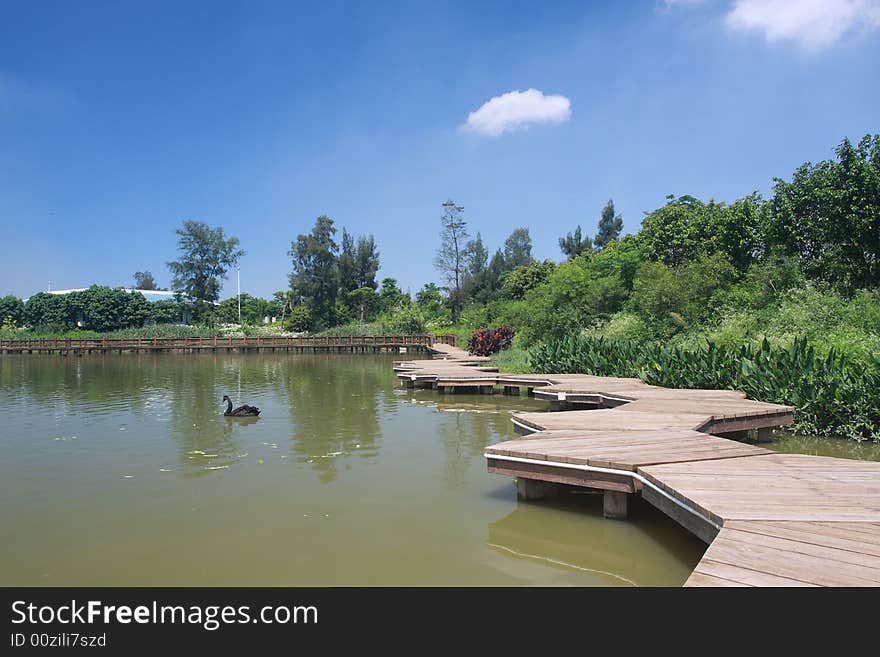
(408, 319)
(300, 318)
(11, 311)
(622, 326)
(528, 277)
(167, 311)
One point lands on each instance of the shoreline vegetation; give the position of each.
(777, 297)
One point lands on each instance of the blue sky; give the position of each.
(119, 120)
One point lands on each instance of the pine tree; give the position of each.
(574, 244)
(610, 226)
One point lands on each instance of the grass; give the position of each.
(513, 360)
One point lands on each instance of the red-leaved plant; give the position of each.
(486, 341)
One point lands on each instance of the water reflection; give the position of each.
(570, 534)
(470, 424)
(333, 402)
(206, 441)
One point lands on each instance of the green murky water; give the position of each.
(121, 470)
(842, 448)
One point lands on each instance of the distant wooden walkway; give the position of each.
(769, 519)
(78, 347)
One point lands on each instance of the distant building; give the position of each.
(149, 295)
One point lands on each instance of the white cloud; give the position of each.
(814, 24)
(517, 109)
(669, 4)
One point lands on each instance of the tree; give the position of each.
(104, 308)
(741, 233)
(829, 216)
(253, 309)
(674, 233)
(686, 229)
(366, 262)
(363, 300)
(430, 298)
(572, 245)
(51, 310)
(576, 295)
(610, 226)
(206, 256)
(284, 298)
(11, 310)
(497, 269)
(300, 318)
(345, 264)
(166, 311)
(450, 255)
(391, 297)
(528, 277)
(136, 311)
(143, 280)
(99, 308)
(357, 266)
(315, 274)
(475, 279)
(518, 249)
(673, 300)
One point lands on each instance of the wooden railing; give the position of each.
(271, 341)
(449, 338)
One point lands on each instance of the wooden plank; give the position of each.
(868, 564)
(698, 579)
(783, 563)
(733, 575)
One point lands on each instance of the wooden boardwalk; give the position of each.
(769, 519)
(376, 343)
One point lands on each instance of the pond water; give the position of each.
(121, 470)
(842, 448)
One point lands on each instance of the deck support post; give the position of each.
(535, 489)
(765, 435)
(614, 504)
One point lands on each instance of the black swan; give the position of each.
(241, 411)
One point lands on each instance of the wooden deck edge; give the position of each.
(697, 525)
(580, 478)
